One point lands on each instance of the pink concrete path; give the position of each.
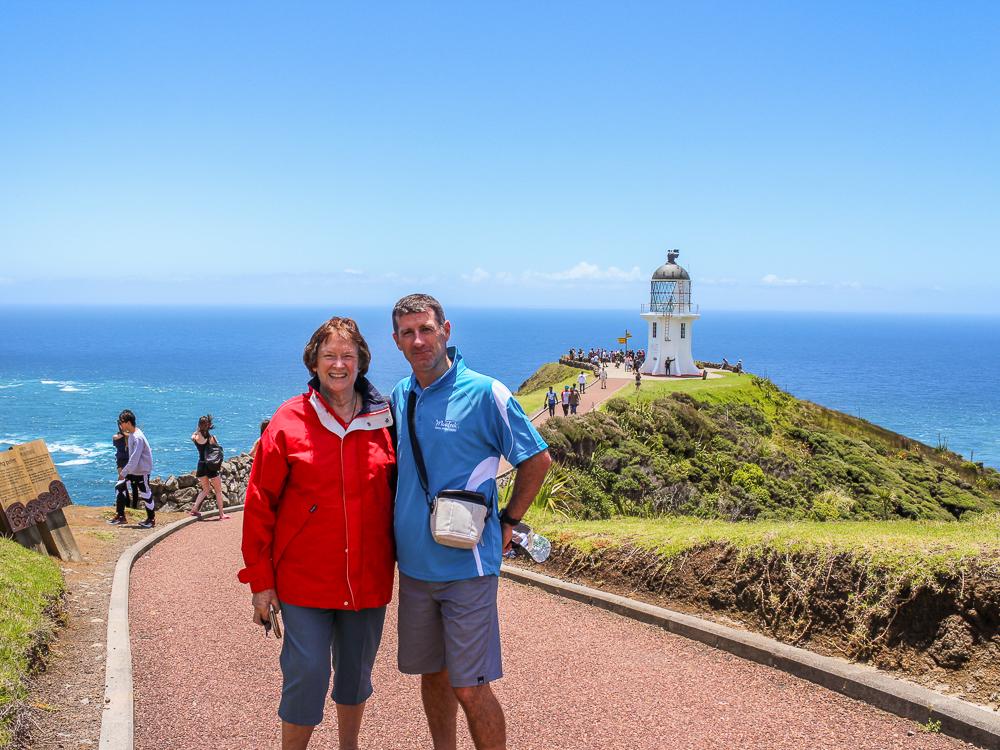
(576, 677)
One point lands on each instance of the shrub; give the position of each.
(831, 505)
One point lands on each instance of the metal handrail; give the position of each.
(674, 308)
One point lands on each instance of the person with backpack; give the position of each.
(209, 466)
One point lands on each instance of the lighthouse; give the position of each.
(670, 317)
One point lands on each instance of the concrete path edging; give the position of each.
(959, 719)
(118, 719)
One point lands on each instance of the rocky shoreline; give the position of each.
(178, 493)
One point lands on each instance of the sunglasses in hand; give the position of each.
(273, 622)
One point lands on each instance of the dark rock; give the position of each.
(186, 480)
(184, 496)
(953, 646)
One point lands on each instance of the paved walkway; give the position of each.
(576, 677)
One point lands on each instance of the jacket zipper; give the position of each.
(347, 532)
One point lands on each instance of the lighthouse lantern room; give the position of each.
(670, 317)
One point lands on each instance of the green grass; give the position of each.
(29, 585)
(531, 395)
(917, 549)
(730, 388)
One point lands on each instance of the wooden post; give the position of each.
(58, 538)
(28, 537)
(31, 539)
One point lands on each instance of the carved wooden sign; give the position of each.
(32, 494)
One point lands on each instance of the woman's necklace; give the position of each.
(354, 409)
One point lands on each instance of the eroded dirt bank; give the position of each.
(941, 632)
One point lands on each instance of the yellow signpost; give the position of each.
(32, 496)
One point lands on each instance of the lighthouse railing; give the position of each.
(670, 308)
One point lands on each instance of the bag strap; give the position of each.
(418, 455)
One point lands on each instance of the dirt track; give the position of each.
(576, 677)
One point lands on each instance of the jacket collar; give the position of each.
(372, 402)
(449, 375)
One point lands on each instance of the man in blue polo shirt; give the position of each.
(464, 423)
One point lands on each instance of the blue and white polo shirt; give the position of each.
(465, 422)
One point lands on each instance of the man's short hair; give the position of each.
(127, 416)
(416, 303)
(345, 328)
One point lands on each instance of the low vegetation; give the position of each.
(31, 588)
(738, 448)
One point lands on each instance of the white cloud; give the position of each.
(477, 276)
(584, 271)
(353, 272)
(775, 280)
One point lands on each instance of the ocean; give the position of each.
(66, 373)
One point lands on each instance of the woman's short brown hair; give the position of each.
(344, 327)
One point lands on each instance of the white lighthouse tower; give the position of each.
(670, 317)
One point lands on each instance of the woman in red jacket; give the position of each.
(317, 533)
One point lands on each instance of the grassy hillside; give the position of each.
(30, 595)
(531, 394)
(739, 448)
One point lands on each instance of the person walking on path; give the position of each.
(449, 629)
(140, 464)
(581, 379)
(604, 377)
(574, 400)
(207, 472)
(317, 534)
(565, 400)
(120, 441)
(638, 379)
(550, 401)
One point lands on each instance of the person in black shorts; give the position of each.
(208, 474)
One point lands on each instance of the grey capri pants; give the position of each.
(318, 641)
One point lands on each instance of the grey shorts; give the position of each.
(451, 625)
(318, 641)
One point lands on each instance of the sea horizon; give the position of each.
(67, 370)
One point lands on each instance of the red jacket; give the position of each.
(317, 525)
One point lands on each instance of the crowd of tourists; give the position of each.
(597, 357)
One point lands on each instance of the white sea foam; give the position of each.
(51, 382)
(69, 389)
(76, 462)
(72, 449)
(5, 386)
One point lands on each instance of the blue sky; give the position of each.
(837, 156)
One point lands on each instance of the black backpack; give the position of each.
(213, 455)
